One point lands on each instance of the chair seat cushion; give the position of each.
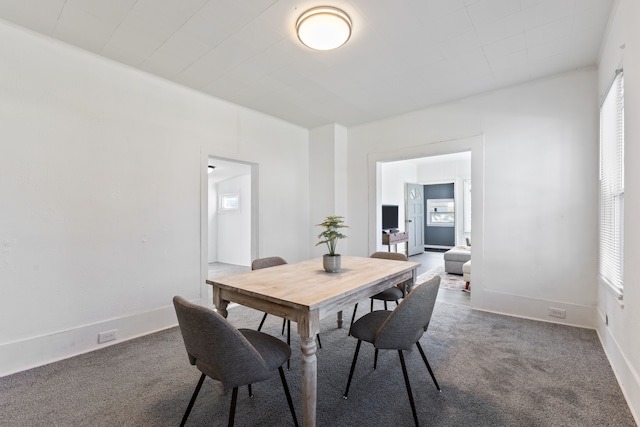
(366, 327)
(391, 294)
(274, 351)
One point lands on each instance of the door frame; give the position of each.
(205, 156)
(474, 144)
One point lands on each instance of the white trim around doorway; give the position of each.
(474, 144)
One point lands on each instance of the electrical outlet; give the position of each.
(107, 336)
(557, 312)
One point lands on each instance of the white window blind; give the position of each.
(612, 185)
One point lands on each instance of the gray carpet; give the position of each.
(494, 371)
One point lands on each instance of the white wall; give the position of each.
(327, 182)
(620, 336)
(234, 232)
(102, 174)
(539, 202)
(444, 170)
(212, 219)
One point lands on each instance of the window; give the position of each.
(229, 202)
(612, 186)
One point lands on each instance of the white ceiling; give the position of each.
(226, 169)
(403, 55)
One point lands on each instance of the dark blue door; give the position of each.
(438, 236)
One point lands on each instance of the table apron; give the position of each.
(308, 319)
(258, 303)
(344, 302)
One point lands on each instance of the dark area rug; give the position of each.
(447, 280)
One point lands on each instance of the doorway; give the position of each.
(416, 184)
(472, 146)
(230, 217)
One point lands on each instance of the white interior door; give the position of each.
(414, 217)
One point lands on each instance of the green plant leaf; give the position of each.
(331, 235)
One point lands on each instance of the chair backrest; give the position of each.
(217, 348)
(396, 256)
(410, 319)
(271, 261)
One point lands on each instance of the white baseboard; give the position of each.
(627, 377)
(538, 309)
(37, 351)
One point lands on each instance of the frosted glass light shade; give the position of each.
(323, 28)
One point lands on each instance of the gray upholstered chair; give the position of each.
(233, 357)
(273, 261)
(394, 293)
(267, 262)
(399, 330)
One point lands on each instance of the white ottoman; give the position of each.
(466, 273)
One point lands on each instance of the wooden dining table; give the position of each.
(304, 293)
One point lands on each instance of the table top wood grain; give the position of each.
(306, 284)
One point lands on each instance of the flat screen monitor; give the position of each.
(389, 217)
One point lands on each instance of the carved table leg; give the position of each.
(308, 328)
(309, 381)
(412, 283)
(219, 303)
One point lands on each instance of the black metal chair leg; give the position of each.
(353, 368)
(250, 392)
(193, 399)
(284, 322)
(262, 321)
(232, 411)
(288, 341)
(385, 305)
(286, 392)
(406, 381)
(319, 342)
(353, 317)
(375, 359)
(424, 357)
(371, 304)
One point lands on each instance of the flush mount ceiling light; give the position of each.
(323, 28)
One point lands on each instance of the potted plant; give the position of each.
(332, 225)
